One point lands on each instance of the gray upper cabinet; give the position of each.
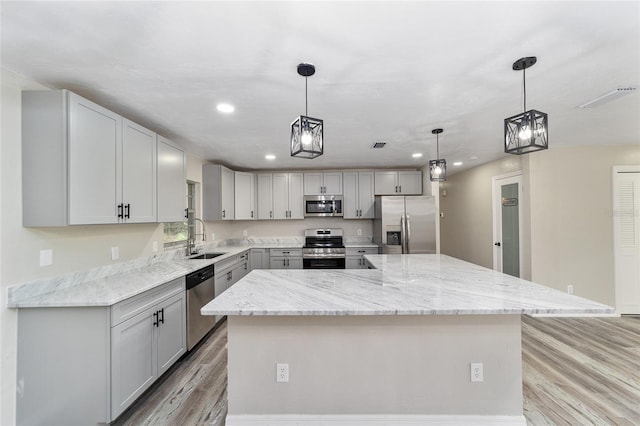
(287, 196)
(172, 181)
(408, 182)
(265, 195)
(83, 164)
(358, 195)
(218, 192)
(245, 196)
(139, 179)
(329, 183)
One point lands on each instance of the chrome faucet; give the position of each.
(191, 239)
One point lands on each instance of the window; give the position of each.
(176, 233)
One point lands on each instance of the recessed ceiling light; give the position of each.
(416, 155)
(226, 108)
(270, 157)
(458, 163)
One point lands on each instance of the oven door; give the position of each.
(323, 263)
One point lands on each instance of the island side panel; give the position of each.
(375, 365)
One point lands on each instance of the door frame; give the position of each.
(496, 183)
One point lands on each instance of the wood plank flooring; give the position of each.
(576, 371)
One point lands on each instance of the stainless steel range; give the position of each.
(323, 249)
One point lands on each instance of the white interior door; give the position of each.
(507, 223)
(626, 238)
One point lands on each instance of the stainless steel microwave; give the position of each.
(323, 205)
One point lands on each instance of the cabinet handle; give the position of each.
(127, 210)
(271, 214)
(223, 213)
(396, 188)
(251, 214)
(155, 319)
(287, 263)
(161, 320)
(120, 214)
(362, 251)
(285, 252)
(401, 189)
(186, 213)
(284, 263)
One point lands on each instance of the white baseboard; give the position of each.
(371, 419)
(611, 315)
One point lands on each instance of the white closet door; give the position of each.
(626, 237)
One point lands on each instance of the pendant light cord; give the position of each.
(306, 106)
(524, 87)
(437, 147)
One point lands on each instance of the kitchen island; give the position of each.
(392, 345)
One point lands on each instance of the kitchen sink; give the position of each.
(207, 256)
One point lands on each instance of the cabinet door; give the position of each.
(171, 331)
(296, 196)
(410, 182)
(280, 196)
(386, 183)
(265, 196)
(95, 174)
(313, 184)
(353, 262)
(277, 263)
(172, 181)
(133, 360)
(332, 183)
(255, 258)
(138, 173)
(294, 263)
(351, 206)
(227, 178)
(366, 198)
(244, 196)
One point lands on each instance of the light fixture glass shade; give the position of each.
(306, 137)
(526, 132)
(438, 170)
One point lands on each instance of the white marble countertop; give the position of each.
(402, 285)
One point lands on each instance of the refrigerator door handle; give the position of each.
(408, 238)
(403, 234)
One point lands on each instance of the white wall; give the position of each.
(569, 228)
(571, 221)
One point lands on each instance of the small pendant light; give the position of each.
(526, 132)
(437, 167)
(306, 132)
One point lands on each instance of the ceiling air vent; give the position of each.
(378, 145)
(607, 97)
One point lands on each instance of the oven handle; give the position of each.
(324, 256)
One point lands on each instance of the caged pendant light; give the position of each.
(437, 167)
(306, 132)
(526, 132)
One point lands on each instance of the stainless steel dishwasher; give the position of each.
(200, 291)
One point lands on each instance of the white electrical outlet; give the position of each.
(282, 373)
(46, 257)
(115, 253)
(477, 375)
(244, 233)
(570, 289)
(154, 246)
(359, 232)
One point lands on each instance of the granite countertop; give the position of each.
(402, 285)
(109, 285)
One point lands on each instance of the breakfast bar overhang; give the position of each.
(391, 345)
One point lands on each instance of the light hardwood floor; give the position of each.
(576, 371)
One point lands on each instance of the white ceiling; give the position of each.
(386, 71)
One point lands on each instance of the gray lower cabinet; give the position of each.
(355, 257)
(86, 365)
(259, 258)
(285, 258)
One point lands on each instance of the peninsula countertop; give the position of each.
(401, 285)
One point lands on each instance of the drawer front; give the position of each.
(285, 252)
(131, 307)
(359, 251)
(224, 264)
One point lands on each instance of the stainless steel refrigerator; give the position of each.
(405, 224)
